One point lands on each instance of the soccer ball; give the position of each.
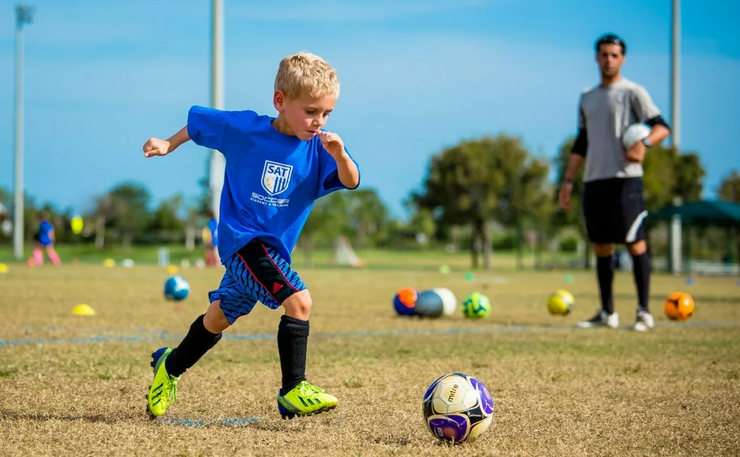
(457, 408)
(560, 303)
(405, 300)
(449, 301)
(176, 288)
(476, 305)
(635, 133)
(679, 306)
(429, 304)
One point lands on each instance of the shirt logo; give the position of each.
(276, 177)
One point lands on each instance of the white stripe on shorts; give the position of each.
(632, 232)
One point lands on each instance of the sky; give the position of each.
(417, 76)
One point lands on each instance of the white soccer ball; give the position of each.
(635, 133)
(449, 301)
(457, 408)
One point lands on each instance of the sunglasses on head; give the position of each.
(611, 39)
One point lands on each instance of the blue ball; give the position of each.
(176, 288)
(429, 304)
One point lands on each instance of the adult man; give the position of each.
(612, 201)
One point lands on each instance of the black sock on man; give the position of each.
(605, 272)
(641, 271)
(196, 343)
(292, 339)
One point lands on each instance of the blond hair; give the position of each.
(306, 74)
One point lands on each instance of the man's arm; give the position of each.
(575, 161)
(156, 147)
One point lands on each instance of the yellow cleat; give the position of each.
(305, 400)
(163, 391)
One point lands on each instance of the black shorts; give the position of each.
(614, 210)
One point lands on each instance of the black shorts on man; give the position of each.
(614, 210)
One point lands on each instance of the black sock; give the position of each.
(605, 272)
(292, 339)
(196, 343)
(641, 270)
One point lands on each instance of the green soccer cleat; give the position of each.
(305, 400)
(163, 391)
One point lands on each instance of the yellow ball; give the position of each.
(560, 303)
(77, 225)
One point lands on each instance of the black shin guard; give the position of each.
(641, 270)
(292, 339)
(605, 272)
(197, 342)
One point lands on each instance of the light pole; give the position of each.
(24, 15)
(675, 80)
(218, 163)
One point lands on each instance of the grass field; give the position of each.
(73, 385)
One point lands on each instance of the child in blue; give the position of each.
(210, 236)
(275, 169)
(44, 238)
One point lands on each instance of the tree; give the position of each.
(477, 181)
(668, 174)
(327, 220)
(125, 210)
(368, 215)
(729, 190)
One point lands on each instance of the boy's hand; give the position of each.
(156, 147)
(332, 143)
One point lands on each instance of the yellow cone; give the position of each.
(109, 263)
(83, 310)
(171, 269)
(3, 268)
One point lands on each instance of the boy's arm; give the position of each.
(156, 147)
(347, 171)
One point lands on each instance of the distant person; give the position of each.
(275, 169)
(210, 240)
(613, 203)
(45, 239)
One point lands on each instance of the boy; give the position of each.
(44, 239)
(275, 169)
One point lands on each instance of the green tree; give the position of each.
(477, 181)
(327, 220)
(127, 206)
(668, 174)
(368, 215)
(729, 190)
(165, 216)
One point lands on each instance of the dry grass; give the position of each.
(558, 391)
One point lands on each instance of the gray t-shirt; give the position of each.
(605, 112)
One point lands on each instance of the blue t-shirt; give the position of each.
(271, 180)
(45, 229)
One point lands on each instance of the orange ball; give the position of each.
(679, 306)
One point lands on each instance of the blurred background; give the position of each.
(427, 86)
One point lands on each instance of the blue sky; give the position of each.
(417, 76)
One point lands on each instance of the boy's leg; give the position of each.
(261, 269)
(292, 339)
(53, 256)
(38, 256)
(204, 333)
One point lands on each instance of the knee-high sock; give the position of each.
(54, 257)
(292, 339)
(641, 271)
(605, 273)
(38, 257)
(196, 343)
